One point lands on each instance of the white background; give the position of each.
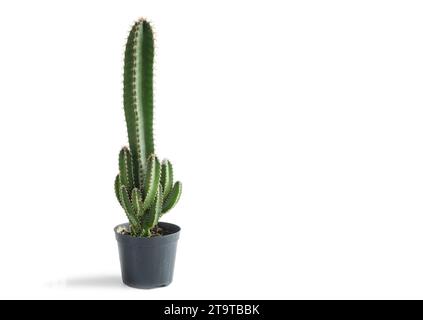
(295, 127)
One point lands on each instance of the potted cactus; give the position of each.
(144, 187)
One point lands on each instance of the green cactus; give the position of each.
(143, 187)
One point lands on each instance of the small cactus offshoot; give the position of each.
(144, 186)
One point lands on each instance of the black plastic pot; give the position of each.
(148, 262)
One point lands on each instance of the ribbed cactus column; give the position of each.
(138, 96)
(144, 186)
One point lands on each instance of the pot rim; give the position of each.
(153, 241)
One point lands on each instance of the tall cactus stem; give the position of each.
(138, 95)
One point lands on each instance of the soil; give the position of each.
(155, 232)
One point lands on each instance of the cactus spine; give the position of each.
(144, 186)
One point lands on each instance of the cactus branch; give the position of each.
(152, 181)
(117, 188)
(172, 198)
(158, 206)
(129, 209)
(152, 216)
(166, 177)
(126, 172)
(148, 222)
(137, 203)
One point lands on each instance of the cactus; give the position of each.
(144, 187)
